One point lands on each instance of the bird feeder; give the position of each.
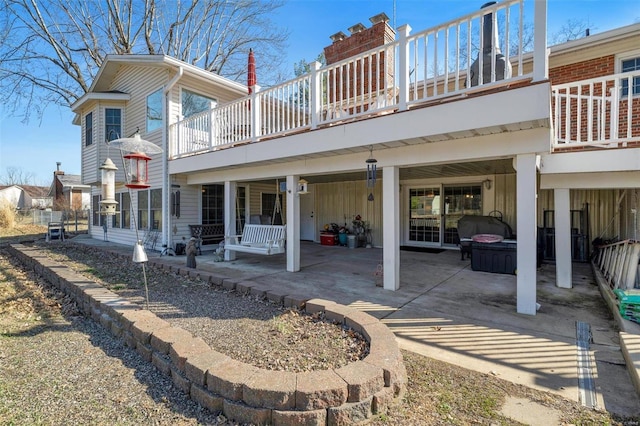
(303, 186)
(139, 169)
(108, 204)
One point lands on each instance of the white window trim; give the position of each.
(618, 66)
(623, 57)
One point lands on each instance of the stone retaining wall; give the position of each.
(244, 393)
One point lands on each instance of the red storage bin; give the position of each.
(328, 239)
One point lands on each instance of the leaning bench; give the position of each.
(207, 234)
(258, 239)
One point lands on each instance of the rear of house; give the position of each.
(446, 141)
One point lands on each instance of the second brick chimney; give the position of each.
(362, 39)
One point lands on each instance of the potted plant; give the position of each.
(342, 235)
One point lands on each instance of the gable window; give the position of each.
(193, 103)
(154, 111)
(88, 129)
(112, 123)
(626, 65)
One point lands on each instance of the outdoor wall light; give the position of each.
(487, 183)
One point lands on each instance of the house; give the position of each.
(68, 192)
(25, 197)
(546, 138)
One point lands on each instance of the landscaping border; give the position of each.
(244, 393)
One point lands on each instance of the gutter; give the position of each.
(166, 210)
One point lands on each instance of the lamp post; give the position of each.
(135, 148)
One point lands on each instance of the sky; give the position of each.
(36, 146)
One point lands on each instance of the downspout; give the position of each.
(166, 210)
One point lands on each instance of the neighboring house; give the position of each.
(68, 192)
(449, 141)
(25, 197)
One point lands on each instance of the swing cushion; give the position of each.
(258, 239)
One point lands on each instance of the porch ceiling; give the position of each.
(476, 168)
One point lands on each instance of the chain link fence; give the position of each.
(73, 220)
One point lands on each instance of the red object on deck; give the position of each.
(252, 78)
(328, 239)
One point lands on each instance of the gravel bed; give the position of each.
(253, 331)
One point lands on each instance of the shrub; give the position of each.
(7, 215)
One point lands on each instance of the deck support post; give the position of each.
(391, 227)
(562, 225)
(526, 182)
(230, 190)
(293, 224)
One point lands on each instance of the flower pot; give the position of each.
(342, 237)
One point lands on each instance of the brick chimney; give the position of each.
(362, 39)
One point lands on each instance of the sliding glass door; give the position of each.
(459, 200)
(434, 212)
(424, 214)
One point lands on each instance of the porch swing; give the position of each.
(260, 239)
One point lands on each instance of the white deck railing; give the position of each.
(411, 70)
(596, 111)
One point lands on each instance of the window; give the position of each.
(113, 123)
(95, 209)
(143, 209)
(268, 207)
(122, 219)
(212, 204)
(154, 111)
(631, 64)
(156, 209)
(193, 103)
(88, 129)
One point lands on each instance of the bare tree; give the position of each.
(52, 49)
(572, 29)
(17, 176)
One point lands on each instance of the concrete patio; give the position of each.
(447, 311)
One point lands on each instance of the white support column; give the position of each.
(230, 190)
(540, 53)
(293, 224)
(391, 227)
(526, 216)
(562, 224)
